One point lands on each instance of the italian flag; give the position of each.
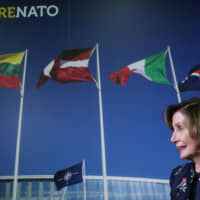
(9, 70)
(69, 66)
(152, 68)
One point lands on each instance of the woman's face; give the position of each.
(187, 145)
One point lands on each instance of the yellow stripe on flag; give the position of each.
(12, 58)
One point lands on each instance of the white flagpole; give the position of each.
(84, 180)
(174, 75)
(102, 128)
(19, 129)
(64, 191)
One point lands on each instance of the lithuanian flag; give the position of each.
(9, 70)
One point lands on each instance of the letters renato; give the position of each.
(32, 11)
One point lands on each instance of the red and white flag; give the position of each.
(69, 66)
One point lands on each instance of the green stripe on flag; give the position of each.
(155, 68)
(8, 69)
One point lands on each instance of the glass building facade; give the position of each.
(119, 188)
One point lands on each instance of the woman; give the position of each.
(184, 120)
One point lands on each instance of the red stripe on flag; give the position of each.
(197, 71)
(71, 74)
(72, 54)
(121, 76)
(83, 56)
(42, 80)
(9, 81)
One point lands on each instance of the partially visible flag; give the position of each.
(152, 68)
(69, 66)
(192, 81)
(69, 176)
(9, 70)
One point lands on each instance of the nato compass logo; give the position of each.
(68, 176)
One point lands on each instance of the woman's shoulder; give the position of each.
(181, 179)
(184, 170)
(181, 169)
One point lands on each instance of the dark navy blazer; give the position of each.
(181, 180)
